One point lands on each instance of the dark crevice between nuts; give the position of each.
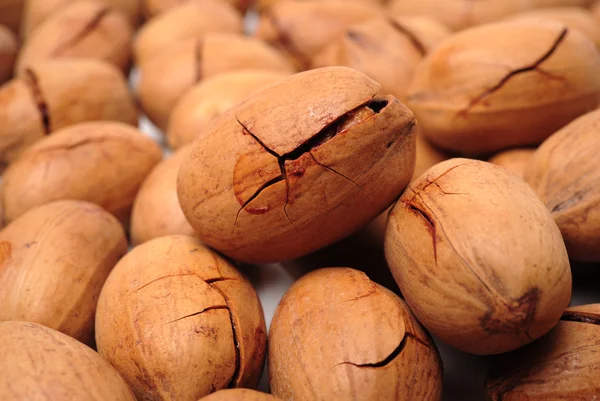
(430, 226)
(533, 67)
(210, 308)
(575, 317)
(31, 80)
(85, 30)
(409, 35)
(286, 44)
(199, 52)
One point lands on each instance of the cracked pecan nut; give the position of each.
(563, 365)
(38, 11)
(153, 8)
(239, 394)
(40, 363)
(53, 263)
(478, 257)
(336, 335)
(83, 29)
(189, 20)
(166, 78)
(471, 90)
(300, 29)
(156, 211)
(179, 322)
(101, 162)
(298, 166)
(58, 93)
(564, 172)
(8, 53)
(211, 98)
(514, 160)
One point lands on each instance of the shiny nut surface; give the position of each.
(298, 166)
(336, 335)
(478, 257)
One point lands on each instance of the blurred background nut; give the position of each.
(300, 29)
(154, 7)
(562, 365)
(53, 263)
(156, 211)
(239, 394)
(100, 162)
(504, 85)
(298, 166)
(514, 160)
(565, 172)
(8, 53)
(179, 322)
(478, 257)
(426, 32)
(166, 78)
(10, 14)
(200, 105)
(41, 363)
(336, 335)
(189, 20)
(264, 4)
(83, 29)
(58, 93)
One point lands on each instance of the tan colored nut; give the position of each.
(425, 31)
(469, 92)
(40, 363)
(153, 8)
(167, 77)
(239, 394)
(179, 322)
(336, 335)
(190, 20)
(596, 10)
(83, 29)
(53, 263)
(390, 61)
(56, 94)
(563, 365)
(478, 257)
(8, 53)
(298, 166)
(10, 14)
(195, 111)
(300, 29)
(514, 160)
(264, 4)
(156, 211)
(100, 162)
(564, 172)
(37, 11)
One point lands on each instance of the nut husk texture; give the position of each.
(299, 165)
(156, 211)
(53, 263)
(40, 363)
(83, 29)
(58, 93)
(8, 53)
(179, 322)
(474, 86)
(564, 172)
(563, 365)
(336, 335)
(239, 394)
(478, 257)
(101, 162)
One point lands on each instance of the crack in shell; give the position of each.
(88, 28)
(31, 80)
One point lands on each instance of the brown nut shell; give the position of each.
(264, 4)
(425, 32)
(39, 363)
(336, 335)
(56, 94)
(478, 257)
(563, 365)
(298, 166)
(100, 162)
(300, 29)
(156, 211)
(564, 172)
(194, 113)
(53, 263)
(471, 89)
(190, 20)
(239, 394)
(514, 160)
(154, 7)
(38, 11)
(179, 322)
(10, 14)
(8, 53)
(166, 78)
(83, 29)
